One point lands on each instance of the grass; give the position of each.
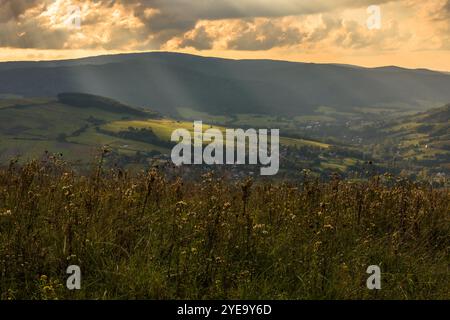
(148, 236)
(95, 139)
(30, 130)
(249, 120)
(422, 136)
(163, 128)
(27, 150)
(191, 114)
(50, 119)
(31, 126)
(332, 165)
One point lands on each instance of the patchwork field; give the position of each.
(163, 128)
(32, 126)
(78, 126)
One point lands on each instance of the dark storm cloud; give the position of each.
(175, 17)
(12, 9)
(18, 31)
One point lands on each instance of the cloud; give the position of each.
(443, 17)
(432, 24)
(439, 10)
(182, 11)
(20, 26)
(316, 32)
(198, 39)
(12, 9)
(250, 25)
(264, 35)
(172, 18)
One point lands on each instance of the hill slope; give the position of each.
(423, 138)
(168, 81)
(67, 125)
(78, 125)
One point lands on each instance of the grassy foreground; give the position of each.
(148, 237)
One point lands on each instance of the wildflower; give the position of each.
(48, 288)
(317, 245)
(258, 226)
(6, 213)
(72, 257)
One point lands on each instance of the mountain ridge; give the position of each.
(118, 55)
(165, 81)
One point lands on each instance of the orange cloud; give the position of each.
(285, 29)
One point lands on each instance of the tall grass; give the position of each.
(145, 236)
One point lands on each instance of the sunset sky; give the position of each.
(412, 33)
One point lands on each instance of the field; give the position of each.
(421, 137)
(148, 236)
(163, 128)
(33, 126)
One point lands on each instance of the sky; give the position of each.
(406, 33)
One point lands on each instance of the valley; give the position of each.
(76, 126)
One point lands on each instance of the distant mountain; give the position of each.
(167, 81)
